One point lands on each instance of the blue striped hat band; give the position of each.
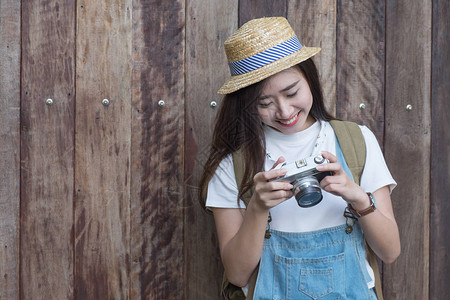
(266, 57)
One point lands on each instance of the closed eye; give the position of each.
(264, 105)
(292, 95)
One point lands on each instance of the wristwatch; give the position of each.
(361, 213)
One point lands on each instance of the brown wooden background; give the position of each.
(99, 202)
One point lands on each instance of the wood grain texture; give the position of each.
(407, 143)
(108, 204)
(251, 9)
(208, 25)
(440, 153)
(9, 149)
(47, 152)
(315, 26)
(360, 63)
(102, 150)
(157, 164)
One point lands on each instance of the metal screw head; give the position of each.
(213, 104)
(362, 106)
(49, 101)
(409, 107)
(105, 102)
(161, 103)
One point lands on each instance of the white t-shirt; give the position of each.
(288, 216)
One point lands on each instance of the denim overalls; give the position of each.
(323, 264)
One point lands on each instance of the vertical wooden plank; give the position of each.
(157, 166)
(251, 9)
(208, 25)
(360, 63)
(102, 150)
(9, 148)
(47, 151)
(315, 25)
(407, 142)
(440, 153)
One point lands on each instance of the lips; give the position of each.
(291, 122)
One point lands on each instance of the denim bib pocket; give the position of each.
(309, 278)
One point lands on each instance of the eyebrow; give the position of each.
(289, 86)
(262, 97)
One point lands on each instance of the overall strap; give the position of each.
(353, 147)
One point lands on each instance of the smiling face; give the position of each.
(285, 102)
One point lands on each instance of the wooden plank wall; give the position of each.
(102, 150)
(315, 24)
(360, 52)
(208, 24)
(10, 20)
(157, 160)
(440, 152)
(100, 201)
(407, 142)
(47, 149)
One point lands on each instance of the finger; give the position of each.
(274, 190)
(330, 188)
(278, 196)
(273, 186)
(332, 167)
(279, 186)
(268, 175)
(280, 160)
(336, 179)
(328, 155)
(283, 195)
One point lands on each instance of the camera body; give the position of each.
(305, 178)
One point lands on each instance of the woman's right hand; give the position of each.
(271, 193)
(241, 232)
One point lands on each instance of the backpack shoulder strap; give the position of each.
(353, 146)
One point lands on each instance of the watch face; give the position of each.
(372, 200)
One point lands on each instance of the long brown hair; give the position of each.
(239, 127)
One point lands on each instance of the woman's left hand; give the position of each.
(380, 228)
(340, 184)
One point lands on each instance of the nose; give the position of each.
(284, 110)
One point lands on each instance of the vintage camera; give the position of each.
(305, 178)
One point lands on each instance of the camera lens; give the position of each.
(307, 191)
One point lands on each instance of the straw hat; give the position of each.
(261, 48)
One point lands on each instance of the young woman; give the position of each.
(273, 113)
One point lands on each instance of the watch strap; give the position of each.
(364, 212)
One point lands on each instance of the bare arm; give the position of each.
(241, 232)
(380, 228)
